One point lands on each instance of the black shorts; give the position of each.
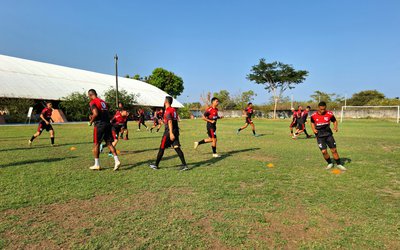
(102, 131)
(293, 124)
(300, 125)
(156, 122)
(125, 125)
(248, 120)
(43, 126)
(166, 141)
(326, 141)
(116, 129)
(211, 131)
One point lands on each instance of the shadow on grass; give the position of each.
(137, 151)
(215, 160)
(44, 146)
(345, 161)
(147, 162)
(19, 163)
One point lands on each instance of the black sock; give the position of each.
(214, 149)
(240, 129)
(139, 125)
(144, 125)
(159, 156)
(32, 138)
(305, 132)
(329, 161)
(181, 155)
(201, 142)
(52, 140)
(254, 132)
(338, 162)
(296, 133)
(158, 129)
(291, 131)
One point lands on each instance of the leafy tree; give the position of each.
(276, 78)
(167, 81)
(321, 96)
(76, 106)
(364, 97)
(244, 98)
(123, 96)
(16, 108)
(226, 102)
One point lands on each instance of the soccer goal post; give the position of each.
(377, 112)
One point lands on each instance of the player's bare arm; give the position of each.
(313, 128)
(208, 120)
(171, 134)
(335, 126)
(95, 113)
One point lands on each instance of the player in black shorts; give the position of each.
(124, 128)
(157, 120)
(102, 129)
(171, 135)
(320, 124)
(249, 111)
(301, 123)
(45, 124)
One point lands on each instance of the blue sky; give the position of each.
(347, 46)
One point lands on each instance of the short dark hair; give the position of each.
(322, 104)
(249, 103)
(92, 91)
(169, 99)
(213, 99)
(308, 107)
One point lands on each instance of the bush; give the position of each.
(184, 113)
(16, 109)
(76, 107)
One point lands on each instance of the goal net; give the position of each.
(375, 112)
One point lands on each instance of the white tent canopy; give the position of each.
(21, 78)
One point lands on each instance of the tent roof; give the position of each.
(21, 78)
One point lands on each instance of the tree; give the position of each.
(127, 99)
(321, 96)
(167, 81)
(76, 106)
(225, 99)
(276, 78)
(244, 98)
(364, 97)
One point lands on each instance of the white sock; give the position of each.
(96, 162)
(116, 158)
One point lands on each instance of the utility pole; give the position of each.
(116, 79)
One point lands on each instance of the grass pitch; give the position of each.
(264, 192)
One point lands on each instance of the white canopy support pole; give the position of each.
(398, 114)
(341, 115)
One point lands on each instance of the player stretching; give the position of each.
(249, 111)
(44, 124)
(301, 123)
(320, 124)
(171, 135)
(140, 113)
(294, 122)
(157, 118)
(211, 117)
(102, 129)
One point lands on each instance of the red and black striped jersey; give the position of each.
(102, 108)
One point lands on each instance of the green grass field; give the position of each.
(50, 199)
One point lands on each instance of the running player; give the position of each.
(301, 123)
(249, 111)
(124, 128)
(294, 122)
(211, 117)
(117, 123)
(102, 129)
(141, 114)
(157, 119)
(171, 135)
(44, 124)
(320, 124)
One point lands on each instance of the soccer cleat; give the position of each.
(151, 130)
(330, 165)
(309, 136)
(101, 148)
(154, 167)
(110, 155)
(138, 129)
(126, 138)
(238, 131)
(95, 167)
(294, 137)
(255, 135)
(116, 166)
(216, 156)
(196, 145)
(341, 167)
(183, 168)
(30, 143)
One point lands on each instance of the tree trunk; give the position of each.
(275, 106)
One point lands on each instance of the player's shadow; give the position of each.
(43, 146)
(346, 161)
(215, 160)
(137, 151)
(46, 160)
(147, 162)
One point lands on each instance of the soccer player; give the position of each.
(211, 117)
(320, 124)
(44, 124)
(171, 135)
(102, 129)
(117, 123)
(249, 111)
(157, 119)
(294, 122)
(301, 123)
(124, 128)
(141, 114)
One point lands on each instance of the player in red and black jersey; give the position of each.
(171, 135)
(301, 123)
(102, 129)
(124, 128)
(293, 124)
(157, 120)
(320, 124)
(141, 116)
(249, 111)
(118, 122)
(44, 124)
(211, 116)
